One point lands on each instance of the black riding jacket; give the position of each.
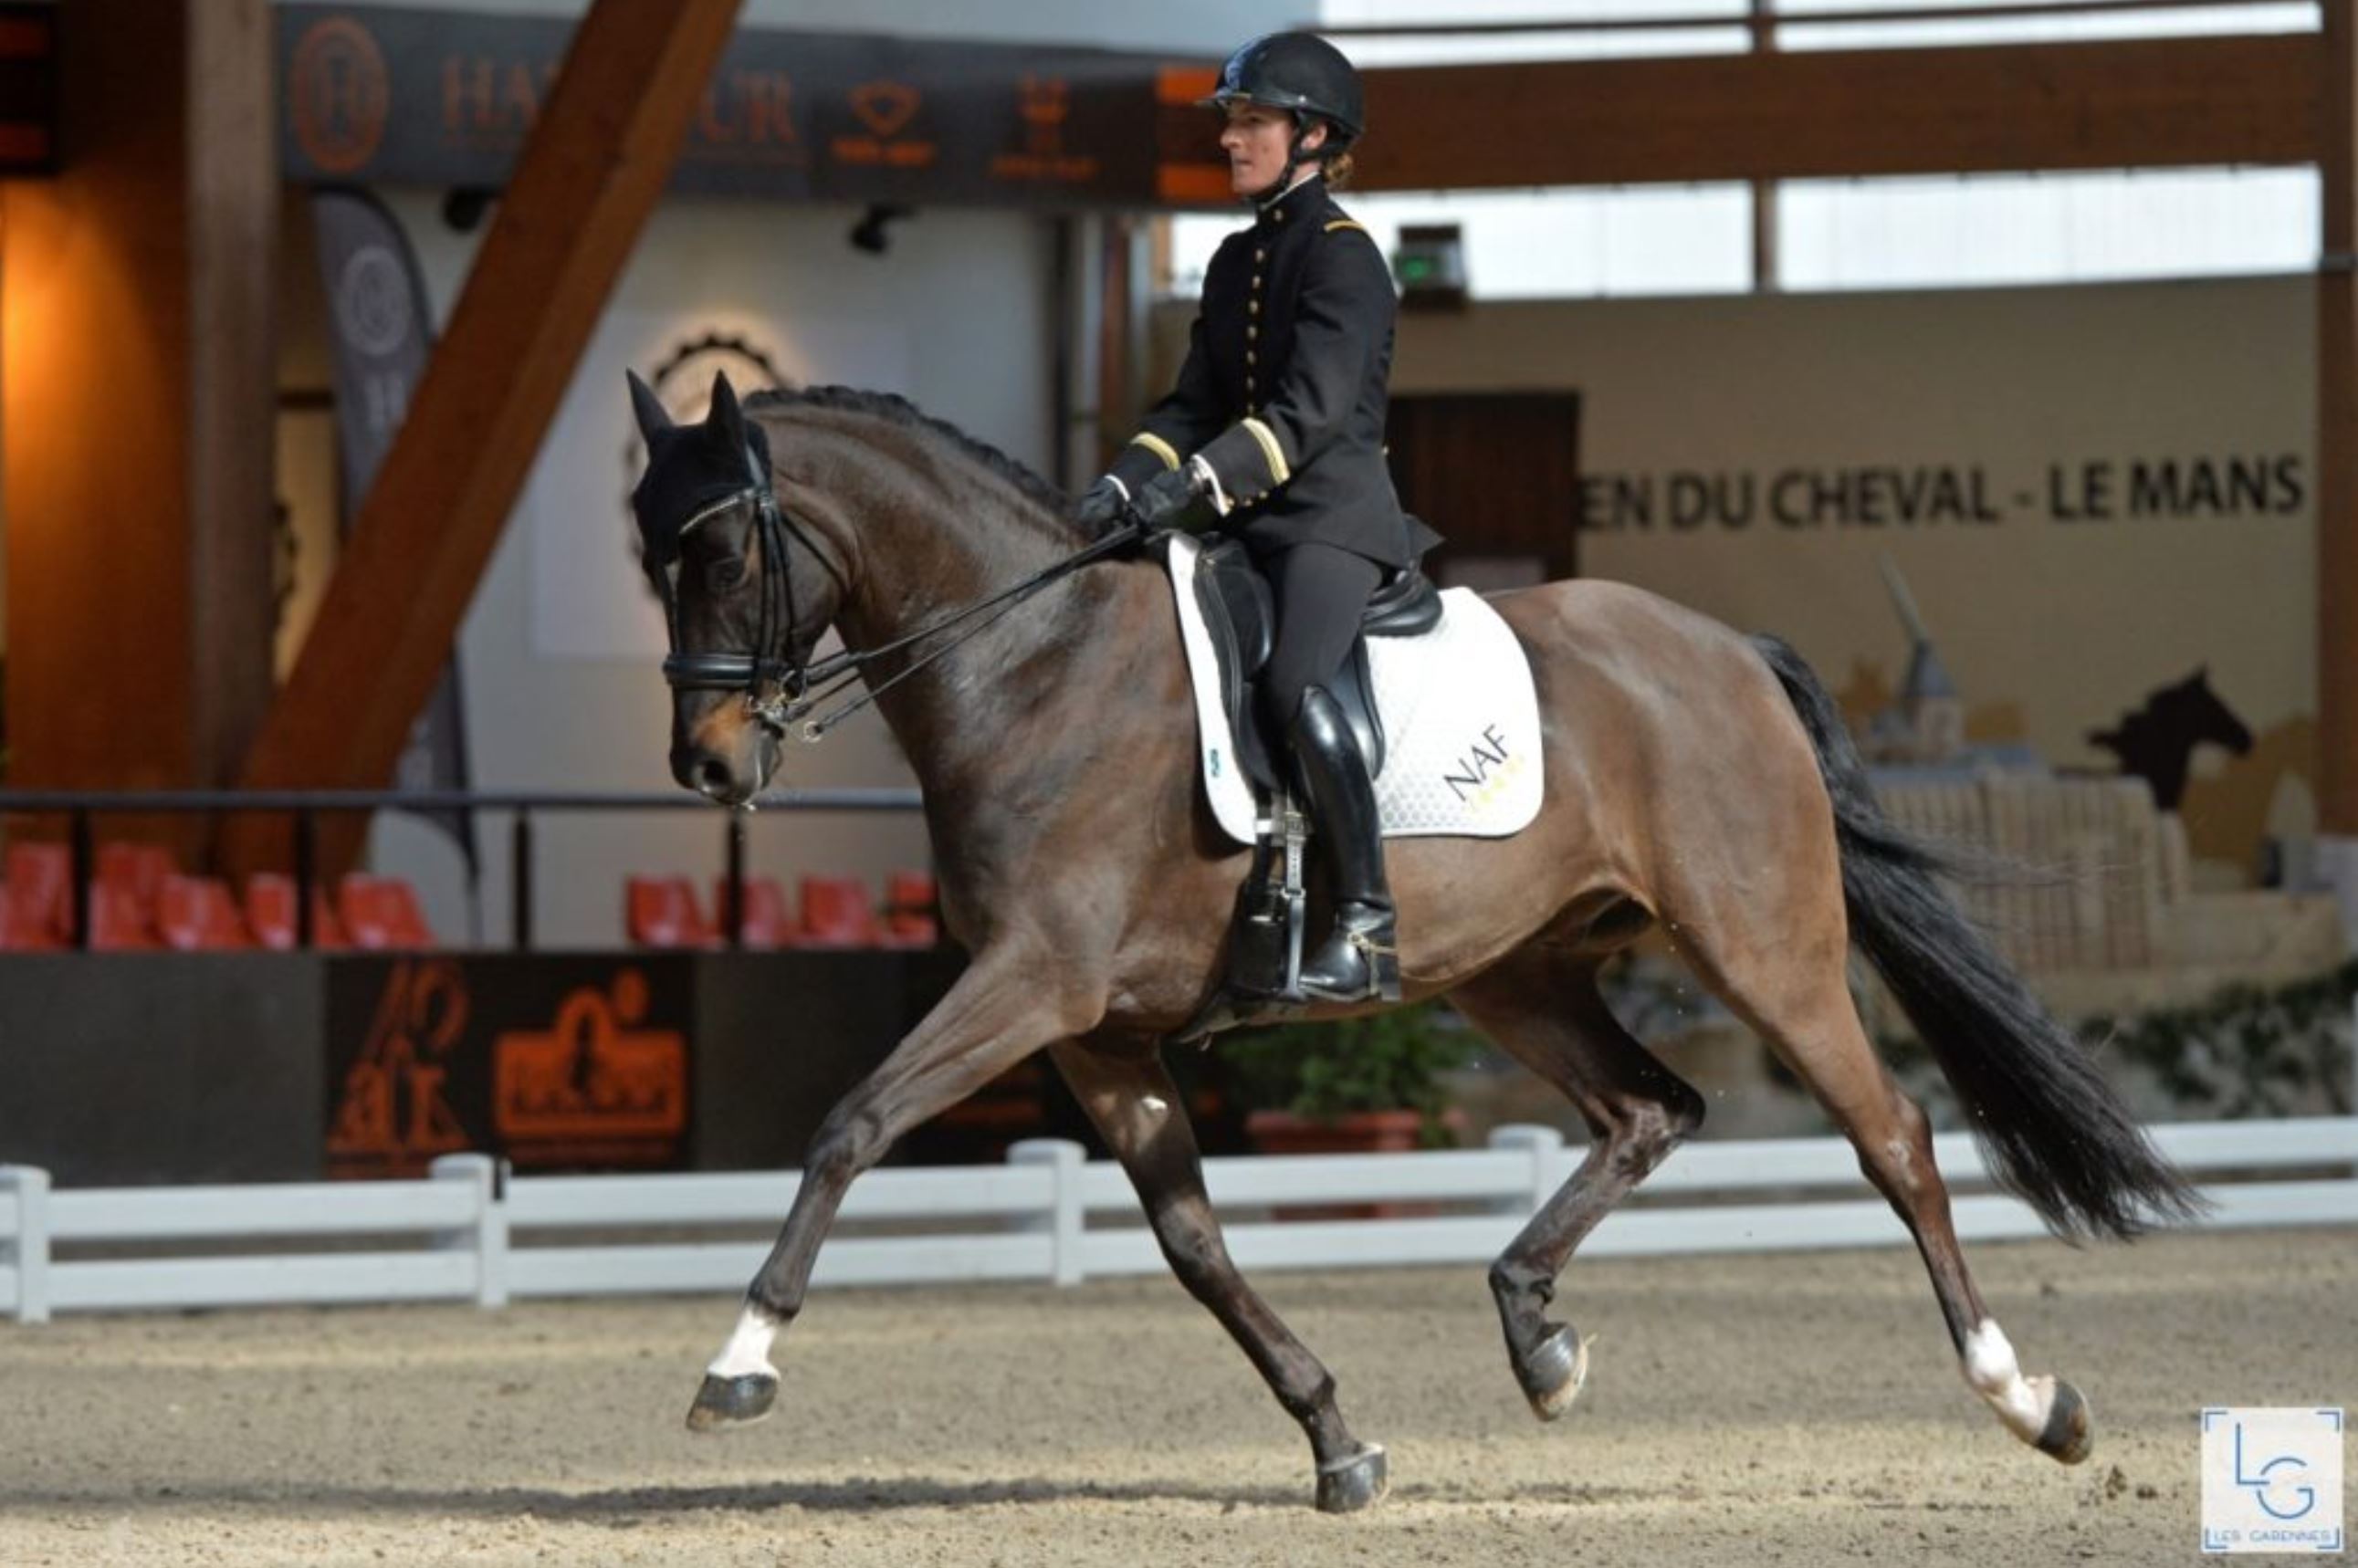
(1284, 388)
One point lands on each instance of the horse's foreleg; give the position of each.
(1544, 1010)
(1130, 1098)
(998, 1013)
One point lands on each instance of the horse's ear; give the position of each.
(648, 408)
(726, 418)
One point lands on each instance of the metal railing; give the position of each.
(304, 809)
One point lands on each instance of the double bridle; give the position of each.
(778, 690)
(775, 689)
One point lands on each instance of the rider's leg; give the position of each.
(1321, 592)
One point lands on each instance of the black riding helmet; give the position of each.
(1302, 74)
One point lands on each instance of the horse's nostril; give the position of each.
(712, 778)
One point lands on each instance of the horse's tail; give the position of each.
(2055, 1133)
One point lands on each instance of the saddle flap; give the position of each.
(1228, 585)
(1240, 618)
(1457, 707)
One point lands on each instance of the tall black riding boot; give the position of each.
(1360, 960)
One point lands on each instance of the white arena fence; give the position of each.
(470, 1232)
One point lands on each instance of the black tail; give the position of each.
(2054, 1132)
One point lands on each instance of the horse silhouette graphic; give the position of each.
(593, 1073)
(2156, 742)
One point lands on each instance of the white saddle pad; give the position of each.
(1461, 721)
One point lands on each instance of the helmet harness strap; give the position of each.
(1296, 154)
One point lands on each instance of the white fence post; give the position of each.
(30, 1186)
(1542, 1144)
(489, 1240)
(1063, 1219)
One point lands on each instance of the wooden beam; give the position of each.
(2337, 435)
(136, 370)
(232, 377)
(2146, 103)
(588, 177)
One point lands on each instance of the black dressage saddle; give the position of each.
(1239, 614)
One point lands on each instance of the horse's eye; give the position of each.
(725, 574)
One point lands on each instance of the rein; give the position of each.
(778, 692)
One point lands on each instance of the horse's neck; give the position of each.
(924, 553)
(2143, 732)
(926, 550)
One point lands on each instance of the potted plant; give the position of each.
(1359, 1085)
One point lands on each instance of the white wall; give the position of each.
(2068, 608)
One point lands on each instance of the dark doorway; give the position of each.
(1498, 473)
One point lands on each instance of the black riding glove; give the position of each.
(1100, 510)
(1166, 495)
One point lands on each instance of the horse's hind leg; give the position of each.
(1544, 1009)
(1129, 1097)
(1803, 1009)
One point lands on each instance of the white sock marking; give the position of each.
(2023, 1403)
(748, 1350)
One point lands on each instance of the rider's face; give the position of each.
(1256, 140)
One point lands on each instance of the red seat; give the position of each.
(197, 915)
(40, 918)
(836, 913)
(120, 921)
(661, 912)
(270, 913)
(382, 913)
(768, 921)
(138, 870)
(910, 920)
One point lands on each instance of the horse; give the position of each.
(2156, 742)
(1696, 782)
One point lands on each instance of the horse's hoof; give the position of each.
(733, 1401)
(1553, 1375)
(1350, 1484)
(2071, 1433)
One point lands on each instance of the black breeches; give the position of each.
(1320, 593)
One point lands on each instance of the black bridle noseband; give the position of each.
(778, 689)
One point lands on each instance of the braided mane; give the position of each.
(897, 410)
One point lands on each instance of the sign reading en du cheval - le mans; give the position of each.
(2080, 491)
(375, 94)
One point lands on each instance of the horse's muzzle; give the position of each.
(731, 775)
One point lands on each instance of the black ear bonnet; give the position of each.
(689, 471)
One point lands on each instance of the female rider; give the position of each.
(1278, 421)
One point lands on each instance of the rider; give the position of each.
(1278, 421)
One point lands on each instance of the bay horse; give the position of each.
(1697, 781)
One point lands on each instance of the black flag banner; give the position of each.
(383, 334)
